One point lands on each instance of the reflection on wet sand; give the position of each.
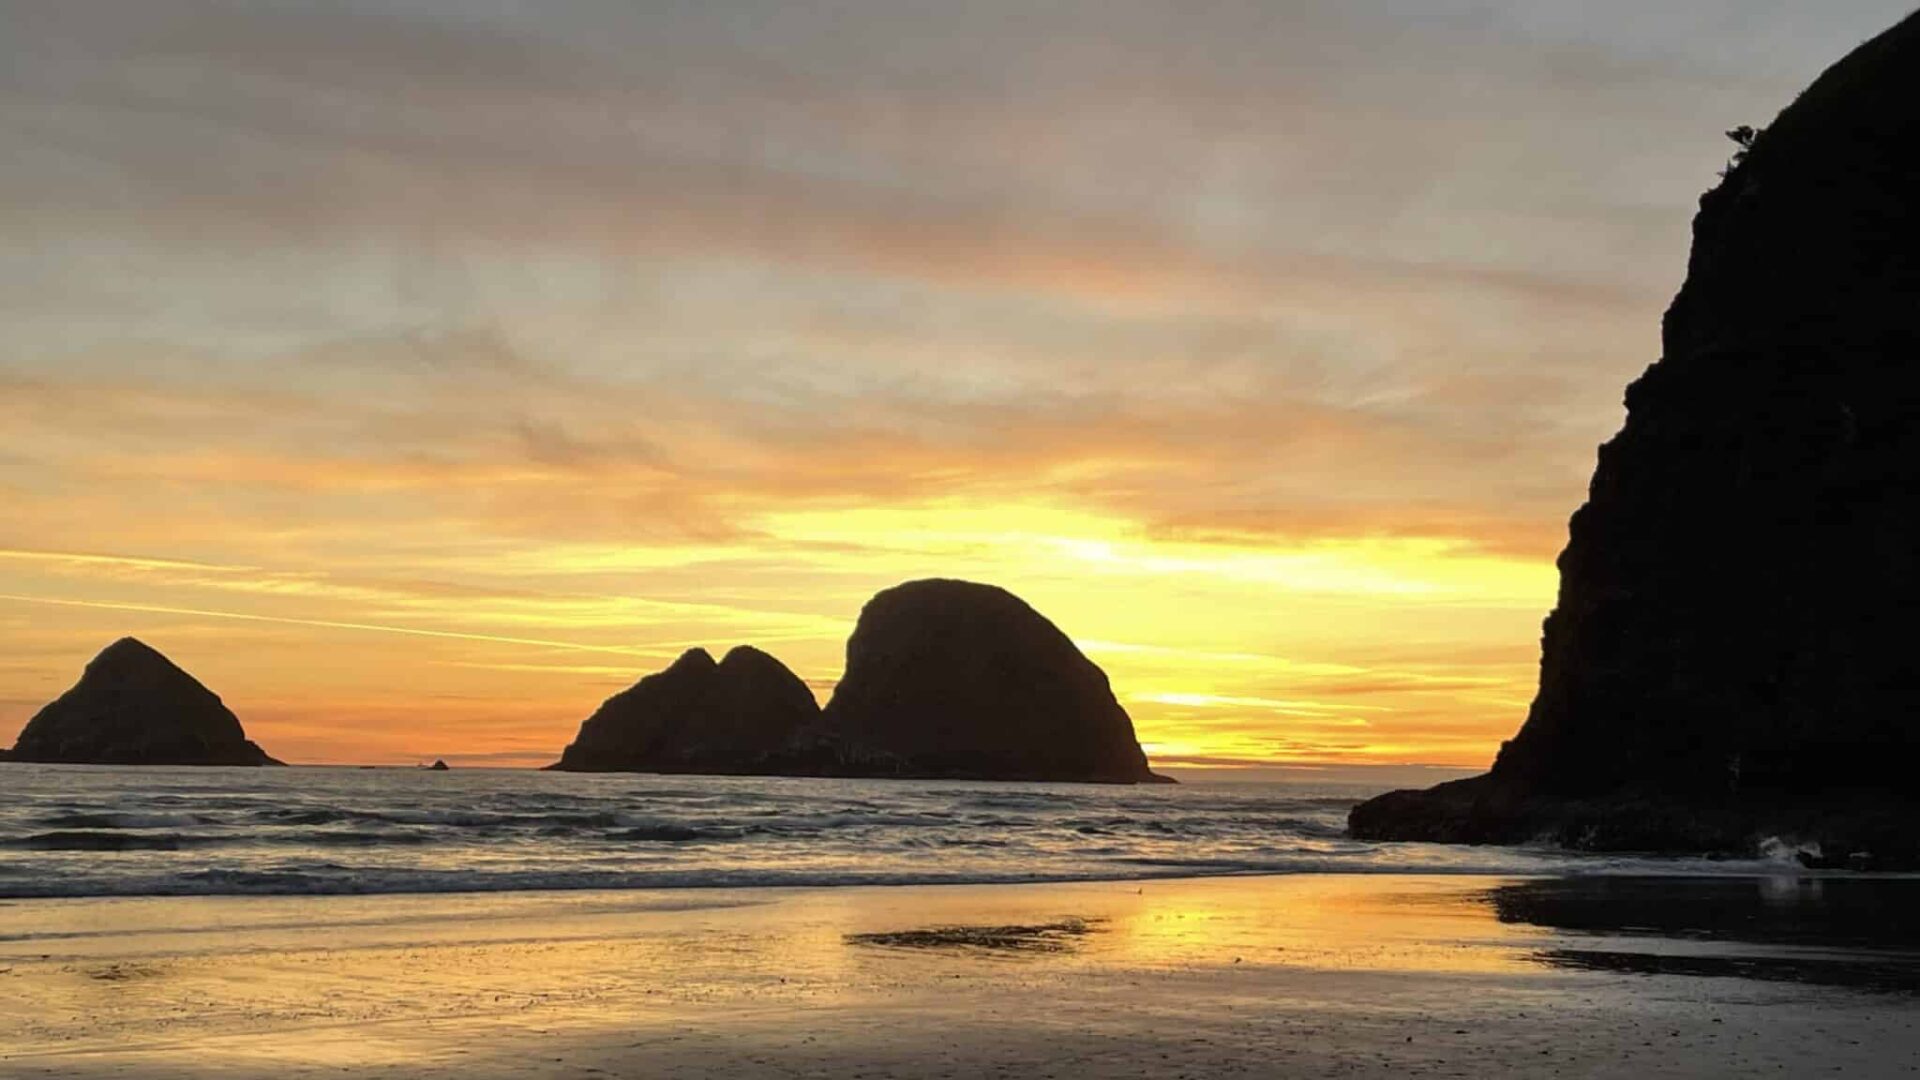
(1892, 976)
(1854, 931)
(1222, 975)
(118, 973)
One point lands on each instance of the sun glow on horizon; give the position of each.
(535, 347)
(1223, 653)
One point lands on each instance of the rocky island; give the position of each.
(943, 679)
(956, 679)
(1728, 657)
(742, 715)
(133, 706)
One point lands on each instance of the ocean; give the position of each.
(74, 831)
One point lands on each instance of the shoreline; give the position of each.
(1640, 867)
(1373, 974)
(1643, 867)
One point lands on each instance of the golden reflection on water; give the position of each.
(342, 979)
(1343, 922)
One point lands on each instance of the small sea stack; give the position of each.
(741, 715)
(133, 706)
(961, 680)
(1729, 657)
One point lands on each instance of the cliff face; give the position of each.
(1727, 656)
(739, 716)
(954, 679)
(132, 706)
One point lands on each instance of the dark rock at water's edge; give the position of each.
(439, 765)
(132, 706)
(954, 679)
(1729, 656)
(944, 679)
(743, 715)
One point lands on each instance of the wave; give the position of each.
(348, 881)
(82, 819)
(104, 840)
(676, 834)
(119, 840)
(467, 819)
(356, 838)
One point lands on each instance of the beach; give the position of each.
(857, 540)
(1305, 974)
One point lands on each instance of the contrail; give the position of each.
(662, 651)
(86, 558)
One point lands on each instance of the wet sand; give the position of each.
(1348, 975)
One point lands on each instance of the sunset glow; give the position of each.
(523, 355)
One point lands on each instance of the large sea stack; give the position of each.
(1729, 657)
(954, 679)
(742, 715)
(132, 706)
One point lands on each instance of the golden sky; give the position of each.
(418, 375)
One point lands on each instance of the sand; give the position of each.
(1310, 975)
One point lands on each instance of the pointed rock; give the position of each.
(739, 716)
(956, 679)
(132, 706)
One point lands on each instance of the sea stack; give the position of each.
(955, 679)
(132, 706)
(1729, 657)
(739, 716)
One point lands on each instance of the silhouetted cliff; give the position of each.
(740, 716)
(132, 706)
(954, 679)
(1728, 657)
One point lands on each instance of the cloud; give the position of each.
(1211, 448)
(1268, 340)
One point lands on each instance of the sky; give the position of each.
(417, 375)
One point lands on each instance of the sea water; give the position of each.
(70, 831)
